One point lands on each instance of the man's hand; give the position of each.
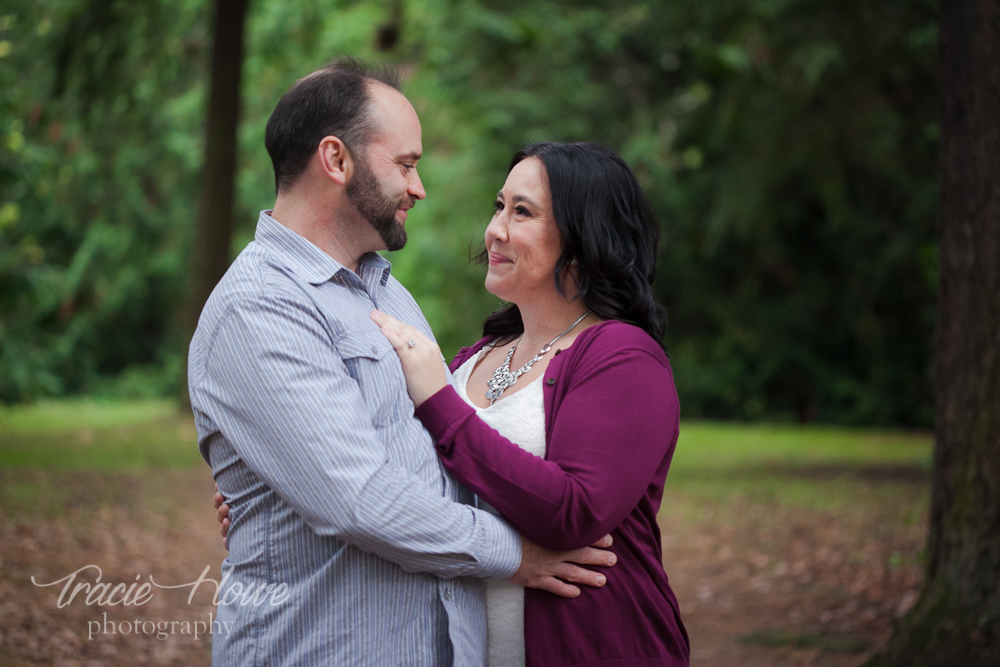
(221, 512)
(551, 571)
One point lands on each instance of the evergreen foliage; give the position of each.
(788, 146)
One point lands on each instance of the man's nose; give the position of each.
(416, 188)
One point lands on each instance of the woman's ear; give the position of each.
(569, 279)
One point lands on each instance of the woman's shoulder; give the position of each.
(618, 352)
(614, 336)
(467, 353)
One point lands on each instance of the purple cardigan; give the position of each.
(611, 425)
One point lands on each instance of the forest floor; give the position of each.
(777, 557)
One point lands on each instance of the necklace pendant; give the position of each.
(503, 378)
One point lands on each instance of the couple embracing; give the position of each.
(501, 511)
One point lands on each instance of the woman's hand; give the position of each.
(419, 355)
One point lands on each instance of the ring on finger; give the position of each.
(411, 343)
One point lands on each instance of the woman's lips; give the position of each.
(496, 258)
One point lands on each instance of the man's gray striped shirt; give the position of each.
(335, 488)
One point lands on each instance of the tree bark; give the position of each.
(214, 226)
(957, 619)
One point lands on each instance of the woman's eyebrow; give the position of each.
(519, 198)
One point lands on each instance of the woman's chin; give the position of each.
(493, 288)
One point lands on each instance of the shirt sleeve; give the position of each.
(615, 429)
(278, 390)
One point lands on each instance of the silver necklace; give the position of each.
(502, 377)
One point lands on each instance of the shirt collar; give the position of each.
(306, 260)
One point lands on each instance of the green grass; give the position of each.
(816, 467)
(728, 446)
(86, 434)
(824, 642)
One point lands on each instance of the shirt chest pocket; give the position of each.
(374, 366)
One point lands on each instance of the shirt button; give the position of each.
(374, 349)
(447, 594)
(550, 381)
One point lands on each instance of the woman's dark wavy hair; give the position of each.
(608, 226)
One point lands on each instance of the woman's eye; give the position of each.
(520, 210)
(498, 206)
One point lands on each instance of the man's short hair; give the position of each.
(332, 101)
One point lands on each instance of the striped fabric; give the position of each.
(335, 489)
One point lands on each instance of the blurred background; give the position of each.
(788, 146)
(790, 150)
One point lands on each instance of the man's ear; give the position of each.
(335, 160)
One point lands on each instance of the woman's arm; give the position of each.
(610, 439)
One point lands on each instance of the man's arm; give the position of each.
(275, 386)
(285, 393)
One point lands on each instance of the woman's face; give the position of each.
(523, 240)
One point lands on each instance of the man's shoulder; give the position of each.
(256, 275)
(393, 286)
(253, 282)
(406, 307)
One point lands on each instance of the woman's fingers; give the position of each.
(419, 356)
(398, 333)
(394, 337)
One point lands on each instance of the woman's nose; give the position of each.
(496, 230)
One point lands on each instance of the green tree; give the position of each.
(957, 619)
(96, 180)
(211, 247)
(789, 148)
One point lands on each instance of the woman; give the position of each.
(564, 416)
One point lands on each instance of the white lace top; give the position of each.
(519, 417)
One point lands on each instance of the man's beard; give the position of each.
(365, 192)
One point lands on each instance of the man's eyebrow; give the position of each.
(409, 157)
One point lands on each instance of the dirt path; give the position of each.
(763, 586)
(758, 585)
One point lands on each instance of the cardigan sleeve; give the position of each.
(613, 432)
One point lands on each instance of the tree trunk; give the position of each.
(957, 619)
(214, 225)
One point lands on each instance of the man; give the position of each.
(302, 412)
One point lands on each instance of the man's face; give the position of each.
(376, 205)
(385, 184)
